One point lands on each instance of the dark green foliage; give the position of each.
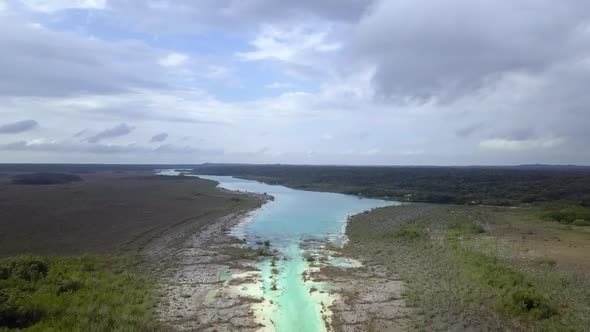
(45, 178)
(505, 186)
(410, 232)
(568, 215)
(466, 228)
(525, 301)
(515, 295)
(27, 268)
(68, 293)
(580, 222)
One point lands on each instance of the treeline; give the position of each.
(506, 186)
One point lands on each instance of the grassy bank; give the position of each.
(461, 272)
(88, 293)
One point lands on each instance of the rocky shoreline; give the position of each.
(209, 282)
(365, 296)
(192, 296)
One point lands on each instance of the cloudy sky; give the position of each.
(445, 82)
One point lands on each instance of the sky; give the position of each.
(359, 82)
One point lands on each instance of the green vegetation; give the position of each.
(45, 178)
(74, 294)
(460, 276)
(513, 293)
(506, 186)
(410, 232)
(574, 215)
(544, 261)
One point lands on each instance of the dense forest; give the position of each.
(459, 185)
(510, 185)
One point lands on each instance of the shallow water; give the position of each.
(294, 216)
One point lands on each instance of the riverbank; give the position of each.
(479, 267)
(201, 279)
(95, 249)
(366, 296)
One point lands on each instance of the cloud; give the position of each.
(278, 85)
(70, 147)
(469, 130)
(117, 131)
(35, 63)
(327, 137)
(50, 6)
(444, 50)
(159, 137)
(521, 145)
(165, 16)
(442, 78)
(372, 151)
(287, 44)
(18, 127)
(80, 133)
(173, 60)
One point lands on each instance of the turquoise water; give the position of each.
(297, 214)
(294, 216)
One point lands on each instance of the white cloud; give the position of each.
(173, 60)
(519, 87)
(278, 85)
(288, 44)
(50, 6)
(372, 151)
(521, 145)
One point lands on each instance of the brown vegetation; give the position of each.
(105, 212)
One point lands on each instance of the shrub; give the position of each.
(410, 232)
(74, 294)
(467, 228)
(525, 302)
(568, 215)
(27, 268)
(581, 222)
(546, 261)
(14, 311)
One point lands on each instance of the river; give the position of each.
(292, 217)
